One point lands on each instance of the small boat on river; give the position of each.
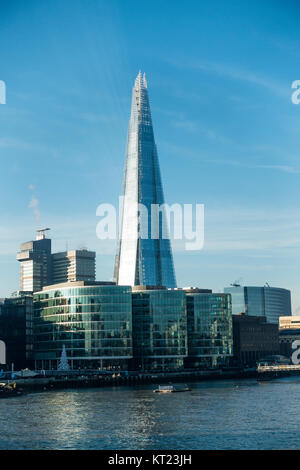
(171, 389)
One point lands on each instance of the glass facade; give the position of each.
(270, 302)
(159, 329)
(150, 329)
(94, 322)
(238, 299)
(209, 323)
(277, 303)
(144, 255)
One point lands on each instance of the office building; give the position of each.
(253, 339)
(144, 255)
(92, 319)
(209, 326)
(144, 328)
(16, 329)
(39, 267)
(73, 265)
(159, 328)
(35, 263)
(270, 302)
(196, 290)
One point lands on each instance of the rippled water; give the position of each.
(214, 415)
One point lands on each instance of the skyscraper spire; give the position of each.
(144, 80)
(142, 259)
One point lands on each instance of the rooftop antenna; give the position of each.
(41, 233)
(82, 247)
(236, 283)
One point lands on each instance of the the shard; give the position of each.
(144, 255)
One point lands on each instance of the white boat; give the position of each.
(170, 389)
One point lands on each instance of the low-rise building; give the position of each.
(209, 326)
(145, 328)
(159, 325)
(92, 319)
(16, 315)
(253, 339)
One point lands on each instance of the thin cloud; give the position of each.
(284, 168)
(7, 142)
(34, 205)
(235, 73)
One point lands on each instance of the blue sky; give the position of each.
(219, 76)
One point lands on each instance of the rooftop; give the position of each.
(79, 284)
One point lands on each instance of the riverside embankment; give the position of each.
(79, 379)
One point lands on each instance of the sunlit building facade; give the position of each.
(144, 255)
(35, 263)
(73, 265)
(142, 328)
(209, 326)
(92, 319)
(39, 267)
(159, 329)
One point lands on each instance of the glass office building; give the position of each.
(159, 329)
(209, 324)
(92, 319)
(270, 302)
(144, 255)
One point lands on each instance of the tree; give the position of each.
(63, 363)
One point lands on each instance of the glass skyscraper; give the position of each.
(144, 255)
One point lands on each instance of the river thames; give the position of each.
(229, 414)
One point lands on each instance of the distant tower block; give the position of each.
(35, 259)
(141, 260)
(74, 265)
(39, 267)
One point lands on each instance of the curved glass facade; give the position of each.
(93, 322)
(270, 302)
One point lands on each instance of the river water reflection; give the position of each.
(240, 414)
